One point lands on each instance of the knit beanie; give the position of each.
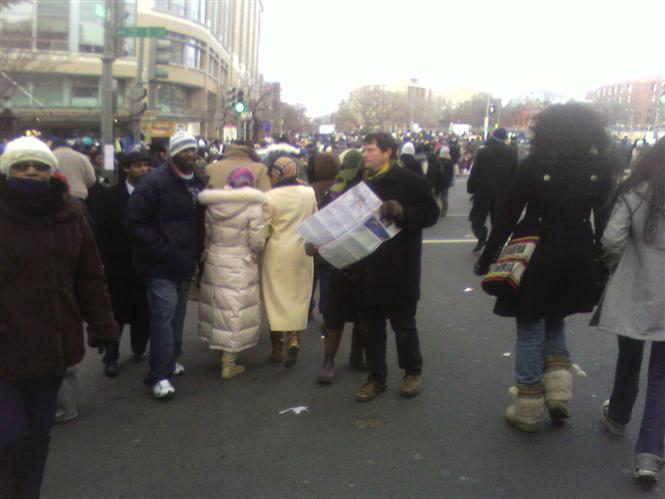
(408, 149)
(240, 177)
(181, 141)
(500, 133)
(444, 152)
(27, 149)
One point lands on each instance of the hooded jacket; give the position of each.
(229, 311)
(236, 155)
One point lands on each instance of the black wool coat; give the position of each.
(51, 281)
(126, 287)
(492, 171)
(166, 225)
(391, 275)
(559, 202)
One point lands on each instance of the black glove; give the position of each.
(391, 210)
(480, 268)
(311, 250)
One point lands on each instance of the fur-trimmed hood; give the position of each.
(226, 202)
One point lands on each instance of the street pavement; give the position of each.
(232, 439)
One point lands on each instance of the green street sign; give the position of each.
(142, 32)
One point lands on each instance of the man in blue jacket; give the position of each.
(165, 223)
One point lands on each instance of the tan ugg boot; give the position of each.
(292, 348)
(529, 407)
(229, 367)
(558, 381)
(277, 341)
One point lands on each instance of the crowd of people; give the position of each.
(75, 250)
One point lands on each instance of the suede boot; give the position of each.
(529, 407)
(292, 347)
(229, 367)
(333, 337)
(277, 341)
(358, 338)
(558, 382)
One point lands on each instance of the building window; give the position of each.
(225, 75)
(16, 25)
(177, 7)
(53, 25)
(171, 99)
(214, 66)
(186, 51)
(50, 91)
(226, 24)
(85, 92)
(91, 28)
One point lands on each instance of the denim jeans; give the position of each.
(626, 386)
(535, 340)
(403, 321)
(27, 412)
(167, 301)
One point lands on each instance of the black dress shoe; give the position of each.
(139, 357)
(111, 370)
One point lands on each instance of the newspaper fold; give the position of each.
(349, 228)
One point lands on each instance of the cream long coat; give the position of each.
(286, 271)
(229, 310)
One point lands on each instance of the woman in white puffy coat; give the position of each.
(229, 311)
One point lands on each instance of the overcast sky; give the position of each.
(320, 50)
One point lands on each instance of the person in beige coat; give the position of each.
(235, 155)
(286, 272)
(229, 301)
(76, 167)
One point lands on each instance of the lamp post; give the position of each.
(7, 119)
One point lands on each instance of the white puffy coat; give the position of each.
(229, 311)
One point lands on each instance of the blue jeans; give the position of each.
(27, 412)
(536, 340)
(167, 301)
(626, 386)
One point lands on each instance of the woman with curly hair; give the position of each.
(634, 306)
(565, 179)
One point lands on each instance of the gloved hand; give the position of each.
(480, 269)
(391, 210)
(103, 345)
(311, 250)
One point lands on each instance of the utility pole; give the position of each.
(136, 123)
(108, 57)
(486, 125)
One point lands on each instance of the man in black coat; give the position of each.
(128, 294)
(165, 223)
(489, 180)
(388, 280)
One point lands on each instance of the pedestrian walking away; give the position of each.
(566, 178)
(633, 307)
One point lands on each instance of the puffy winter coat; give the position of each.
(165, 224)
(634, 303)
(51, 281)
(229, 310)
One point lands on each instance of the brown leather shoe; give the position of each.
(411, 386)
(370, 390)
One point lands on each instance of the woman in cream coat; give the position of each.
(229, 311)
(286, 271)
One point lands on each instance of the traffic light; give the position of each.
(231, 95)
(136, 99)
(160, 55)
(240, 106)
(492, 109)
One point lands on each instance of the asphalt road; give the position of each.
(230, 438)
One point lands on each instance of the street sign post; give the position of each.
(142, 32)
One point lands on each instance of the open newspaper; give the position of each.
(349, 228)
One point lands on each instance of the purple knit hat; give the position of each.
(240, 177)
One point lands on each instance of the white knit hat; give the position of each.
(27, 149)
(408, 149)
(181, 141)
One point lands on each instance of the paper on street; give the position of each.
(349, 228)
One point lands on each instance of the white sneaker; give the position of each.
(179, 369)
(163, 390)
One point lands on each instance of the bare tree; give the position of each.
(371, 108)
(17, 67)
